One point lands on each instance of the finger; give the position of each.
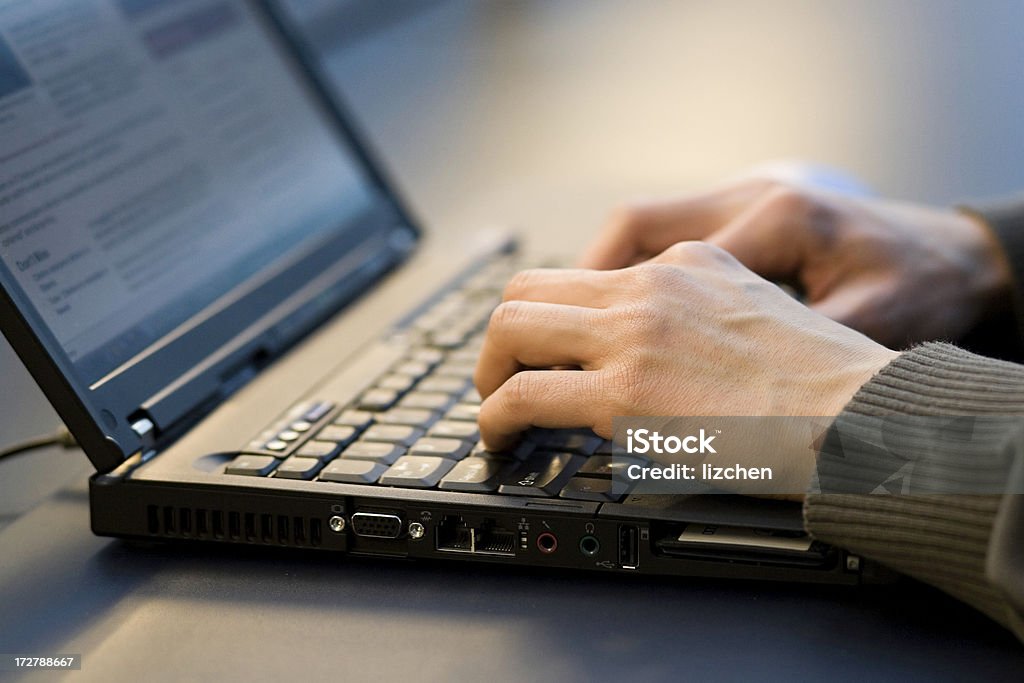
(540, 398)
(573, 287)
(642, 231)
(526, 334)
(772, 236)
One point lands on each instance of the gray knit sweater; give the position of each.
(970, 546)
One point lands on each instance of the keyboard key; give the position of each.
(603, 466)
(427, 355)
(453, 449)
(378, 399)
(570, 441)
(589, 488)
(448, 339)
(380, 452)
(402, 435)
(541, 474)
(522, 449)
(417, 471)
(298, 468)
(413, 368)
(324, 450)
(353, 471)
(396, 382)
(342, 435)
(451, 369)
(447, 385)
(471, 396)
(474, 474)
(467, 431)
(251, 465)
(464, 355)
(317, 411)
(360, 419)
(413, 417)
(428, 322)
(451, 303)
(464, 412)
(429, 400)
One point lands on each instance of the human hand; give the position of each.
(691, 332)
(901, 273)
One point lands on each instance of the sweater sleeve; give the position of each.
(942, 539)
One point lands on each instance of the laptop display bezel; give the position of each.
(164, 390)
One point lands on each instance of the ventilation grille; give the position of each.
(229, 525)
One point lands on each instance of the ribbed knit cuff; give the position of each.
(942, 540)
(941, 379)
(937, 419)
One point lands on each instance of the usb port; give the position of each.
(629, 546)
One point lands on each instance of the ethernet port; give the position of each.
(456, 535)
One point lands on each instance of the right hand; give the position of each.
(900, 273)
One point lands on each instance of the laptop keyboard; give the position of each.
(416, 426)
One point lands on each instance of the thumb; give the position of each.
(641, 231)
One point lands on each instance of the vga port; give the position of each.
(377, 524)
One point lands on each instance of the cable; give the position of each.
(62, 437)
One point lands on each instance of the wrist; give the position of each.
(993, 275)
(854, 374)
(845, 371)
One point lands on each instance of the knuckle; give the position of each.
(638, 317)
(626, 383)
(788, 200)
(654, 276)
(714, 254)
(519, 284)
(506, 315)
(689, 253)
(518, 392)
(805, 211)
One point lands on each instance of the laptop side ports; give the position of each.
(629, 546)
(455, 535)
(589, 545)
(741, 544)
(547, 543)
(377, 525)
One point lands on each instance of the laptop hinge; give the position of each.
(144, 429)
(171, 412)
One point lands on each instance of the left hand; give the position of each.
(690, 332)
(899, 272)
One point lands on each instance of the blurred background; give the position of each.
(545, 114)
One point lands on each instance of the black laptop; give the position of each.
(227, 304)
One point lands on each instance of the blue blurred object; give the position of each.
(813, 175)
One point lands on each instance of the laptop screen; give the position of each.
(156, 156)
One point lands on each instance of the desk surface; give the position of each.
(543, 115)
(159, 613)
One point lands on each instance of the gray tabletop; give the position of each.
(542, 116)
